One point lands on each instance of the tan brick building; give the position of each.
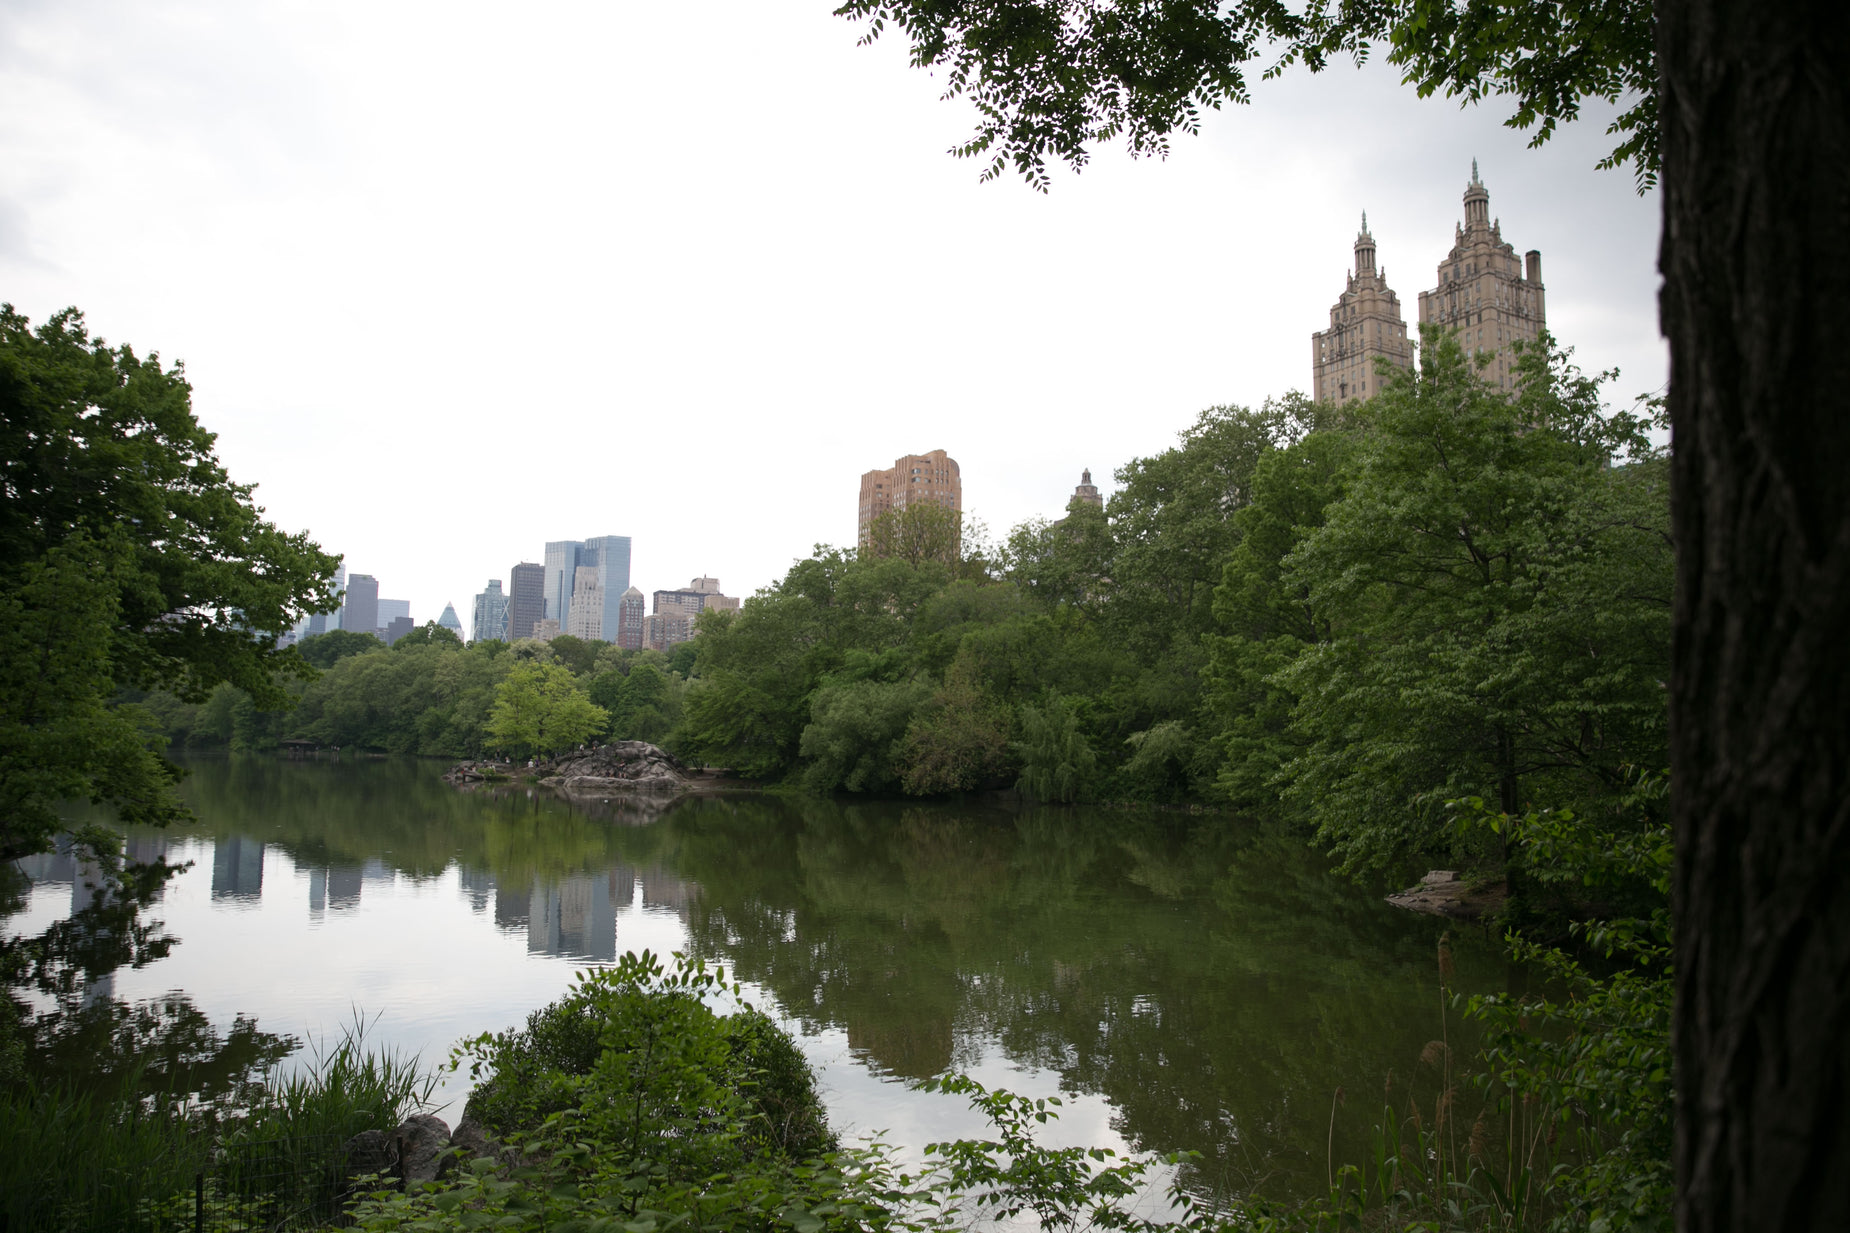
(1365, 324)
(672, 621)
(914, 479)
(1484, 292)
(585, 619)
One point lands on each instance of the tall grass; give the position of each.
(76, 1160)
(73, 1159)
(341, 1088)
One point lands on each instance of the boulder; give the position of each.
(423, 1140)
(1442, 893)
(369, 1152)
(415, 1151)
(472, 1138)
(473, 774)
(621, 766)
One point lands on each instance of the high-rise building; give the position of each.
(1485, 292)
(490, 623)
(673, 618)
(1086, 490)
(397, 628)
(586, 618)
(360, 611)
(682, 603)
(668, 629)
(631, 618)
(917, 478)
(609, 555)
(391, 609)
(322, 622)
(1365, 325)
(561, 567)
(526, 604)
(450, 621)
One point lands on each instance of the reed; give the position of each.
(77, 1159)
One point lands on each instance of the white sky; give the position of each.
(451, 280)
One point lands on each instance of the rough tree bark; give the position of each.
(1756, 304)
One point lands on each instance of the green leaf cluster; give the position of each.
(1050, 79)
(128, 559)
(1461, 594)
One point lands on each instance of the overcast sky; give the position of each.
(451, 280)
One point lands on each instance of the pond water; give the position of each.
(1183, 981)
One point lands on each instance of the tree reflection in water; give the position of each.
(1207, 977)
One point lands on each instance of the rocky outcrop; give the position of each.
(475, 1141)
(416, 1151)
(621, 766)
(476, 774)
(1443, 893)
(423, 1140)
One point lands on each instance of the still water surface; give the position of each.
(1183, 981)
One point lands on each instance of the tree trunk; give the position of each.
(1756, 304)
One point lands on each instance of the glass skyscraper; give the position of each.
(609, 555)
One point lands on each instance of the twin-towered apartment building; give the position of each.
(1485, 292)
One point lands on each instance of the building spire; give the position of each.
(1364, 250)
(1474, 178)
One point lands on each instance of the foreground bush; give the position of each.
(633, 1104)
(638, 1057)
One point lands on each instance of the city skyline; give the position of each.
(301, 233)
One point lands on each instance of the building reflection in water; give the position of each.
(237, 869)
(333, 888)
(478, 887)
(575, 916)
(61, 867)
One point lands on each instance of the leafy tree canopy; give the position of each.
(1050, 78)
(540, 709)
(128, 559)
(428, 634)
(326, 650)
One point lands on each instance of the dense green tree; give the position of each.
(426, 634)
(1734, 95)
(758, 668)
(916, 534)
(61, 735)
(1267, 623)
(429, 699)
(326, 650)
(642, 704)
(854, 738)
(540, 709)
(1051, 78)
(682, 658)
(1067, 562)
(1497, 597)
(577, 654)
(127, 559)
(1056, 759)
(958, 741)
(1173, 520)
